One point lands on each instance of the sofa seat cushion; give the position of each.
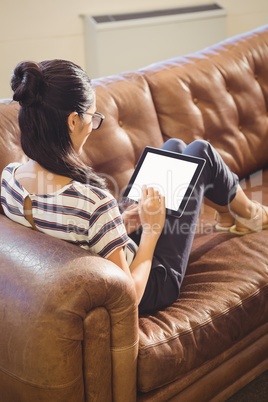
(223, 299)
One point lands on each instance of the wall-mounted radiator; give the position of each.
(121, 42)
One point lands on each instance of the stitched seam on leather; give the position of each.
(216, 317)
(48, 387)
(123, 348)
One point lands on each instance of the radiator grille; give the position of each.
(156, 13)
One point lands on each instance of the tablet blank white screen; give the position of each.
(170, 176)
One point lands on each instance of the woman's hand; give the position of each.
(131, 218)
(152, 211)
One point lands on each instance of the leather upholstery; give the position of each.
(50, 295)
(223, 299)
(130, 124)
(69, 327)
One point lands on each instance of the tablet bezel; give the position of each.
(200, 165)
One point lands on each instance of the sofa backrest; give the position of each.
(10, 148)
(130, 124)
(219, 94)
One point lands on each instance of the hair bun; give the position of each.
(27, 83)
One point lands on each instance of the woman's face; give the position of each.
(80, 128)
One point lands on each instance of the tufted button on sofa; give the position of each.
(70, 329)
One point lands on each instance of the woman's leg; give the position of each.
(221, 187)
(174, 145)
(225, 217)
(174, 245)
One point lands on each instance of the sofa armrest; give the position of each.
(67, 317)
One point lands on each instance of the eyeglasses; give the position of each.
(97, 119)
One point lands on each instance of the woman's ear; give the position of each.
(72, 121)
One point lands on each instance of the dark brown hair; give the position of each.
(48, 92)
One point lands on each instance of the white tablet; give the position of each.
(174, 175)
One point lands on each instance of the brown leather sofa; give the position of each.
(69, 323)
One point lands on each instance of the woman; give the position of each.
(57, 194)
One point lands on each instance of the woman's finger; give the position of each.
(151, 192)
(144, 192)
(163, 203)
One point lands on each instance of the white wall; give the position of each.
(38, 30)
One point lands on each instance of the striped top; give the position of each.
(78, 213)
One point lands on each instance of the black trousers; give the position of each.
(172, 251)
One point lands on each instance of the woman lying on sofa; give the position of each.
(55, 193)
